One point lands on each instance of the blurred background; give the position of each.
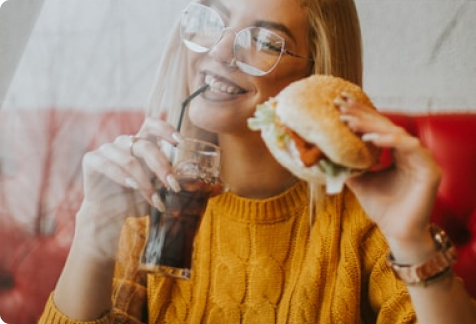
(74, 74)
(419, 54)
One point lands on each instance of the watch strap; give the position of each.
(431, 270)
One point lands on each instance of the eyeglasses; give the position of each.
(256, 50)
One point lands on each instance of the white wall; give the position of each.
(91, 54)
(420, 55)
(17, 19)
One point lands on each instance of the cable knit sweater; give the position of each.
(259, 261)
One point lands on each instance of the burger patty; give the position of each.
(309, 153)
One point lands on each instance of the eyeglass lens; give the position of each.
(256, 50)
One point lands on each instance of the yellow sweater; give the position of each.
(258, 261)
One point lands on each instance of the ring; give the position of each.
(134, 139)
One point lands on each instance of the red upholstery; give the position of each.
(452, 140)
(40, 191)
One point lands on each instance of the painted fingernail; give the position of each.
(173, 183)
(158, 203)
(177, 137)
(131, 183)
(370, 137)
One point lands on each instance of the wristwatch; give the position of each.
(431, 270)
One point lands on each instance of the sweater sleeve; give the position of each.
(129, 296)
(388, 298)
(51, 315)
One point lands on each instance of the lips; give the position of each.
(221, 85)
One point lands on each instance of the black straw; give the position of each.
(187, 101)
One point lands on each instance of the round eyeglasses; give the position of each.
(256, 50)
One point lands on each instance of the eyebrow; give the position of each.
(275, 26)
(259, 23)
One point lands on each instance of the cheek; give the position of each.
(288, 71)
(193, 60)
(275, 82)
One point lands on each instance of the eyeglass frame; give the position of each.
(282, 52)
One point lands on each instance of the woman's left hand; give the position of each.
(400, 198)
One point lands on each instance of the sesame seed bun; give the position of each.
(307, 107)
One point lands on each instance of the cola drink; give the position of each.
(171, 233)
(169, 247)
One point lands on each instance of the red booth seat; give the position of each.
(452, 139)
(41, 189)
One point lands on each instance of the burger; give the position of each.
(301, 127)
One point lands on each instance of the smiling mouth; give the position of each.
(219, 85)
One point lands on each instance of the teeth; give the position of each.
(219, 86)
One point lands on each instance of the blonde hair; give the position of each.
(170, 88)
(335, 38)
(336, 49)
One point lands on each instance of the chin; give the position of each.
(219, 117)
(204, 118)
(226, 125)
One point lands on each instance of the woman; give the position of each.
(257, 258)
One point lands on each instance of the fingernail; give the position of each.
(225, 187)
(339, 102)
(347, 118)
(347, 96)
(177, 137)
(173, 183)
(158, 203)
(370, 137)
(131, 183)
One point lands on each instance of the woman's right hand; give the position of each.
(117, 182)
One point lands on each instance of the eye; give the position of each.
(267, 45)
(266, 41)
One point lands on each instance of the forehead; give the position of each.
(246, 12)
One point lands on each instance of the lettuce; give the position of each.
(265, 120)
(264, 117)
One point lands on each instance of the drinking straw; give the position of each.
(187, 101)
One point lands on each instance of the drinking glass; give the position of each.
(169, 246)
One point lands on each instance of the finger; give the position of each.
(128, 175)
(153, 157)
(348, 104)
(124, 169)
(115, 162)
(94, 164)
(376, 128)
(398, 139)
(154, 128)
(366, 120)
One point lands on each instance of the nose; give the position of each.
(222, 51)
